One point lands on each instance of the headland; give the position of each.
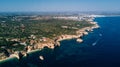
(27, 34)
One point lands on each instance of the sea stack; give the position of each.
(41, 57)
(79, 40)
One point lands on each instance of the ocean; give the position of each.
(101, 48)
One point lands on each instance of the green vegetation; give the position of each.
(23, 27)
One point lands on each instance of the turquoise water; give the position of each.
(101, 48)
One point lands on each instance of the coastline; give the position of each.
(81, 32)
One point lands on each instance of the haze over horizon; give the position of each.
(58, 5)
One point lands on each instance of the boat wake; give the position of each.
(100, 34)
(93, 44)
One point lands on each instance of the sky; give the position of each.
(58, 5)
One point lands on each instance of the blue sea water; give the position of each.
(101, 48)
